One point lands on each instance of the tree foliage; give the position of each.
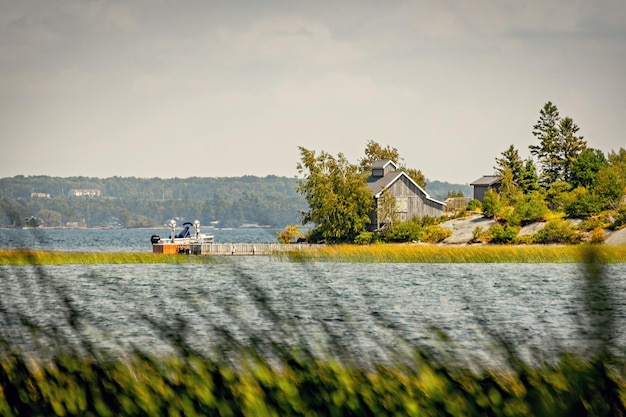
(511, 161)
(559, 145)
(585, 168)
(528, 180)
(376, 152)
(149, 202)
(416, 175)
(337, 195)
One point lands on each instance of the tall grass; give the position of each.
(412, 253)
(29, 257)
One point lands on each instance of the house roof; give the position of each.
(487, 180)
(382, 163)
(378, 184)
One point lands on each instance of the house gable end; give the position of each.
(402, 175)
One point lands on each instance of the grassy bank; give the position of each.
(396, 253)
(28, 257)
(411, 253)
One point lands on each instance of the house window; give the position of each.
(402, 205)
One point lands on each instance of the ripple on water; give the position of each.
(363, 305)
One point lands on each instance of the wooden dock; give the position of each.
(231, 249)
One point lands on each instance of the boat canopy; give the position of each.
(185, 232)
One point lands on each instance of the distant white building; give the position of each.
(39, 195)
(84, 192)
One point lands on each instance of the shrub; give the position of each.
(406, 231)
(492, 203)
(428, 221)
(620, 218)
(597, 236)
(557, 196)
(595, 222)
(435, 234)
(531, 207)
(557, 231)
(476, 234)
(581, 203)
(503, 234)
(364, 238)
(474, 205)
(524, 240)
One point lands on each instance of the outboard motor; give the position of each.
(155, 239)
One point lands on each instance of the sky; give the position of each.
(210, 88)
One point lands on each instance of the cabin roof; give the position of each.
(487, 180)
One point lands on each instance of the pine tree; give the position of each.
(547, 152)
(529, 180)
(571, 146)
(510, 160)
(559, 145)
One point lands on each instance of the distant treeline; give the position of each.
(149, 202)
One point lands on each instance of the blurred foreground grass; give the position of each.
(302, 385)
(266, 378)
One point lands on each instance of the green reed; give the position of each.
(29, 257)
(420, 253)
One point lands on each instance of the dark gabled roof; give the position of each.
(378, 184)
(487, 180)
(382, 164)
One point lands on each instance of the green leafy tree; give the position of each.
(416, 175)
(585, 168)
(50, 217)
(557, 196)
(531, 207)
(289, 234)
(617, 158)
(582, 203)
(338, 198)
(610, 184)
(375, 152)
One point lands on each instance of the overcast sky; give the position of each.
(156, 88)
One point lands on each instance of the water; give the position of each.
(116, 240)
(366, 308)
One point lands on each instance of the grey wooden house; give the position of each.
(484, 183)
(411, 199)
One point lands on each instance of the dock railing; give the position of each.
(232, 248)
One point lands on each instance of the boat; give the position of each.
(182, 242)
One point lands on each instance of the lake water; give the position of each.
(117, 240)
(367, 308)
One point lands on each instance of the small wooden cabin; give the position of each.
(484, 183)
(411, 199)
